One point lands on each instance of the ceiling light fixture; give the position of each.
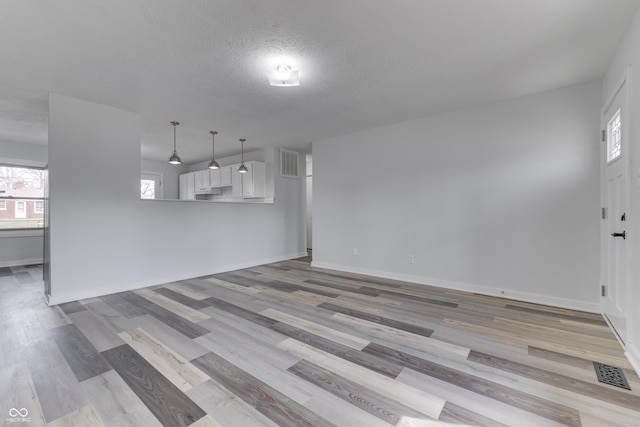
(242, 168)
(284, 75)
(213, 164)
(175, 159)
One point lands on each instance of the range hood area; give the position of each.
(209, 190)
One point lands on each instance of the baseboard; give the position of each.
(633, 356)
(468, 287)
(56, 299)
(21, 262)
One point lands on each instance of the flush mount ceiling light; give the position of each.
(175, 159)
(242, 168)
(284, 75)
(213, 164)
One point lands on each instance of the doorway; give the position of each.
(615, 189)
(309, 203)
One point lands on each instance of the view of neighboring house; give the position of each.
(21, 198)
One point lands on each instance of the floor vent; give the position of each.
(611, 375)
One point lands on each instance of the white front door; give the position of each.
(616, 198)
(21, 209)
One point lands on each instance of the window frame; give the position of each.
(617, 116)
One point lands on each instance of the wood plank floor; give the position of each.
(285, 344)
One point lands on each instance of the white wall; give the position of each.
(21, 247)
(501, 199)
(22, 153)
(104, 239)
(628, 55)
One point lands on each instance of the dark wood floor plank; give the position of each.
(126, 308)
(354, 289)
(143, 306)
(182, 299)
(83, 358)
(267, 400)
(412, 298)
(171, 406)
(601, 391)
(374, 403)
(180, 324)
(290, 287)
(368, 361)
(408, 327)
(240, 312)
(513, 397)
(72, 307)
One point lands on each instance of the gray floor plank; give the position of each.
(279, 408)
(82, 357)
(54, 381)
(170, 406)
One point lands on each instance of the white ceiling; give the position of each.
(363, 63)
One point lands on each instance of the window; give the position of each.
(150, 185)
(614, 137)
(147, 189)
(21, 197)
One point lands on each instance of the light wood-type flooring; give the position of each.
(290, 345)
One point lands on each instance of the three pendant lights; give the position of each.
(174, 159)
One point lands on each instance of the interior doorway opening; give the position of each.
(309, 202)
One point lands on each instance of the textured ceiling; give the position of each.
(363, 63)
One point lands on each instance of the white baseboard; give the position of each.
(468, 287)
(20, 262)
(633, 356)
(56, 299)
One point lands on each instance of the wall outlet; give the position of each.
(412, 259)
(355, 251)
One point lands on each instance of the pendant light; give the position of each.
(242, 168)
(213, 164)
(175, 159)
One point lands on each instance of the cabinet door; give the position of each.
(236, 181)
(183, 186)
(190, 186)
(202, 180)
(215, 177)
(225, 175)
(247, 181)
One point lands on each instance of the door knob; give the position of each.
(623, 235)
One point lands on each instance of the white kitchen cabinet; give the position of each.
(214, 177)
(251, 184)
(202, 181)
(225, 175)
(220, 177)
(187, 186)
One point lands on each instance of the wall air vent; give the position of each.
(289, 163)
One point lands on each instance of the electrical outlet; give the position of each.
(355, 251)
(412, 259)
